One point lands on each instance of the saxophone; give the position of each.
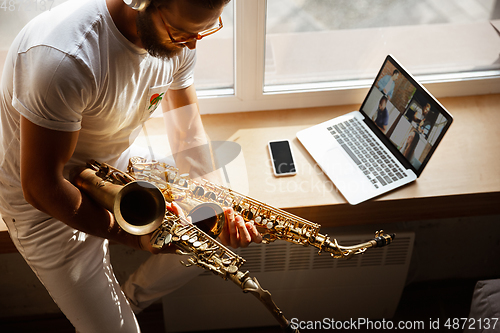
(139, 208)
(273, 223)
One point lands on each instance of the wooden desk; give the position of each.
(462, 178)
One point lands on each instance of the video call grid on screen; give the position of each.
(406, 114)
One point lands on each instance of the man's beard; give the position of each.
(149, 37)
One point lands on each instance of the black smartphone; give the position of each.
(282, 158)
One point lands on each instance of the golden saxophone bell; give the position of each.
(208, 216)
(139, 206)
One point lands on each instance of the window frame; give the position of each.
(249, 59)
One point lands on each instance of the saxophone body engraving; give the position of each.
(273, 223)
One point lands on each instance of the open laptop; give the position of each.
(384, 145)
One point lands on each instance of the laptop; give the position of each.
(384, 145)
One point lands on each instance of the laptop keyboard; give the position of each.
(372, 160)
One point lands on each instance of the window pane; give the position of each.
(14, 14)
(215, 62)
(311, 41)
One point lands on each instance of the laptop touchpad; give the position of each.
(335, 163)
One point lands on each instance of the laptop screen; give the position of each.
(406, 114)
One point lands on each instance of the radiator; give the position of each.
(303, 284)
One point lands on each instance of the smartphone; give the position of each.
(282, 158)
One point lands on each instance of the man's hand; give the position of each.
(236, 232)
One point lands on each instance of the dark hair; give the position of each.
(395, 72)
(383, 98)
(413, 144)
(209, 4)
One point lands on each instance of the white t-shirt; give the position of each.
(71, 69)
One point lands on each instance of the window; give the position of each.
(215, 61)
(323, 41)
(304, 53)
(14, 14)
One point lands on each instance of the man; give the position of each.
(381, 115)
(77, 82)
(387, 83)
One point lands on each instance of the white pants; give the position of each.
(75, 269)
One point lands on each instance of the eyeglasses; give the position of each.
(184, 40)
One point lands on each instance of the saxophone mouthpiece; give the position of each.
(382, 239)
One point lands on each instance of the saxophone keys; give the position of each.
(211, 196)
(247, 215)
(160, 240)
(232, 269)
(137, 160)
(138, 168)
(171, 176)
(180, 231)
(196, 244)
(258, 219)
(198, 191)
(185, 238)
(168, 239)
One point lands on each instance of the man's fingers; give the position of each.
(233, 234)
(244, 235)
(224, 235)
(254, 233)
(229, 212)
(237, 232)
(175, 208)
